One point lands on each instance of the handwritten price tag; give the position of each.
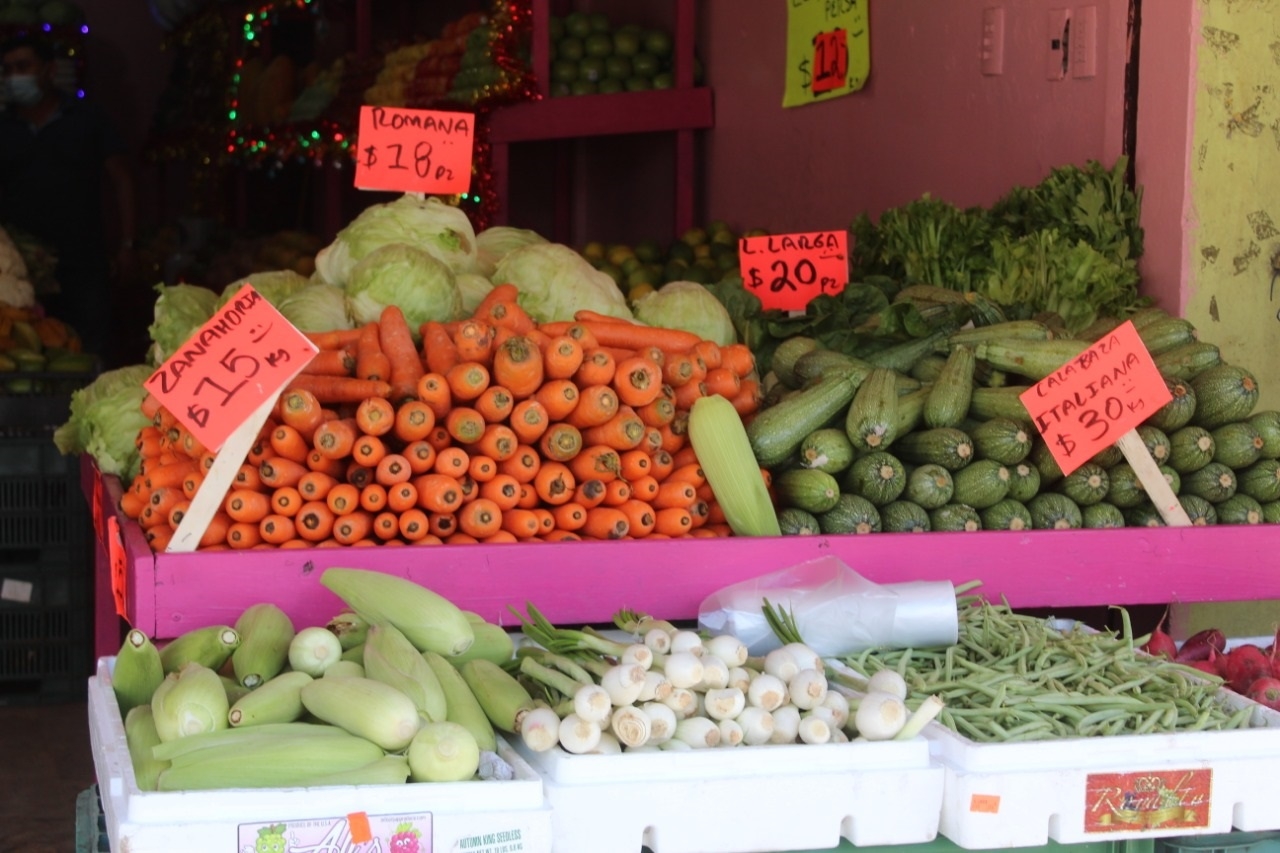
(1091, 401)
(787, 271)
(422, 151)
(828, 50)
(235, 362)
(830, 61)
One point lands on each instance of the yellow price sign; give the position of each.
(828, 50)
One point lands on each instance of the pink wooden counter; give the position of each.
(587, 581)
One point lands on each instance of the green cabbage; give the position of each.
(317, 308)
(689, 306)
(106, 416)
(493, 244)
(442, 231)
(473, 288)
(180, 309)
(398, 274)
(273, 285)
(554, 281)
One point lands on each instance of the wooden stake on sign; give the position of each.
(204, 506)
(1152, 479)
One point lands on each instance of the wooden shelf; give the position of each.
(578, 116)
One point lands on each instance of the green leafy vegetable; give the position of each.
(554, 281)
(428, 224)
(106, 416)
(399, 274)
(179, 310)
(690, 306)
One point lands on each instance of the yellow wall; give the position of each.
(1235, 186)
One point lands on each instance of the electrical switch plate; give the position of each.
(993, 40)
(1057, 44)
(1084, 42)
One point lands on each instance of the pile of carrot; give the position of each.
(493, 429)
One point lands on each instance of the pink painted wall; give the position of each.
(927, 120)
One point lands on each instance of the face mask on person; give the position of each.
(23, 89)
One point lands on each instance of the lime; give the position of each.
(638, 84)
(613, 271)
(645, 65)
(674, 270)
(618, 253)
(597, 44)
(720, 233)
(755, 232)
(639, 291)
(591, 68)
(599, 22)
(707, 264)
(694, 236)
(593, 251)
(609, 86)
(617, 67)
(657, 42)
(665, 80)
(578, 24)
(680, 251)
(626, 42)
(555, 28)
(564, 71)
(570, 48)
(699, 274)
(648, 251)
(702, 251)
(641, 275)
(582, 87)
(630, 265)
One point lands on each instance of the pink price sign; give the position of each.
(246, 353)
(414, 151)
(787, 271)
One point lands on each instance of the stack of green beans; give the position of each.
(1013, 677)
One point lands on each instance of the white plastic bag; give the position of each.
(837, 611)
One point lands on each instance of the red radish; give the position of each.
(1161, 644)
(1198, 645)
(1273, 653)
(1206, 666)
(1266, 691)
(1244, 665)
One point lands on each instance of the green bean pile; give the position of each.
(1013, 677)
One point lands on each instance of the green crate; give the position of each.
(91, 823)
(1227, 842)
(945, 845)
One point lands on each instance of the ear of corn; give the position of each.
(265, 633)
(387, 770)
(345, 669)
(189, 702)
(443, 752)
(429, 621)
(138, 671)
(390, 658)
(141, 737)
(349, 627)
(461, 704)
(366, 708)
(175, 749)
(724, 453)
(276, 701)
(492, 643)
(234, 689)
(504, 700)
(209, 647)
(268, 763)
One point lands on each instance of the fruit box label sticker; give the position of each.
(1160, 800)
(354, 833)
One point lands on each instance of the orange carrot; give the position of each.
(499, 442)
(276, 529)
(561, 536)
(569, 516)
(359, 475)
(689, 393)
(301, 410)
(464, 424)
(333, 338)
(722, 381)
(439, 352)
(373, 497)
(520, 523)
(590, 493)
(452, 461)
(738, 358)
(675, 493)
(246, 505)
(597, 368)
(386, 525)
(216, 532)
(673, 521)
(624, 431)
(396, 340)
(331, 362)
(439, 437)
(640, 517)
(286, 501)
(474, 342)
(438, 492)
(529, 420)
(482, 468)
(685, 456)
(371, 361)
(413, 421)
(368, 450)
(528, 496)
(481, 518)
(494, 404)
(690, 472)
(561, 442)
(414, 525)
(242, 535)
(334, 439)
(634, 336)
(505, 292)
(339, 389)
(352, 528)
(586, 316)
(510, 316)
(467, 380)
(191, 483)
(171, 474)
(657, 413)
(634, 464)
(289, 443)
(708, 352)
(375, 416)
(442, 524)
(558, 397)
(562, 358)
(606, 522)
(597, 404)
(342, 498)
(277, 471)
(597, 461)
(523, 465)
(747, 400)
(645, 488)
(315, 485)
(503, 490)
(638, 381)
(517, 366)
(314, 521)
(421, 456)
(402, 496)
(616, 492)
(392, 469)
(554, 483)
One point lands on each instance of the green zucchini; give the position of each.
(1143, 515)
(1267, 423)
(1087, 485)
(904, 517)
(872, 420)
(902, 357)
(1271, 512)
(1224, 393)
(1052, 511)
(1157, 443)
(946, 446)
(1260, 481)
(1032, 359)
(1188, 360)
(794, 521)
(1166, 334)
(1007, 442)
(815, 364)
(955, 518)
(988, 377)
(851, 514)
(1042, 458)
(1239, 509)
(1214, 482)
(1101, 516)
(878, 476)
(911, 409)
(1010, 330)
(982, 484)
(1172, 477)
(928, 368)
(807, 488)
(930, 486)
(776, 433)
(1124, 490)
(785, 355)
(1024, 481)
(1144, 317)
(827, 449)
(1237, 444)
(948, 400)
(1099, 329)
(1190, 449)
(1199, 510)
(1108, 456)
(1176, 413)
(1008, 514)
(1006, 402)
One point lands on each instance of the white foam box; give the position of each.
(741, 799)
(1079, 790)
(477, 817)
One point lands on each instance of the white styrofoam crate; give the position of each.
(1073, 790)
(742, 799)
(479, 817)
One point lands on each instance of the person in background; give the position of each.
(55, 151)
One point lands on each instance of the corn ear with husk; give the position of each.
(387, 770)
(234, 689)
(345, 669)
(265, 633)
(443, 752)
(504, 699)
(276, 701)
(237, 737)
(209, 646)
(188, 702)
(725, 455)
(493, 643)
(354, 654)
(138, 671)
(461, 704)
(429, 621)
(366, 708)
(349, 627)
(141, 737)
(280, 762)
(390, 658)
